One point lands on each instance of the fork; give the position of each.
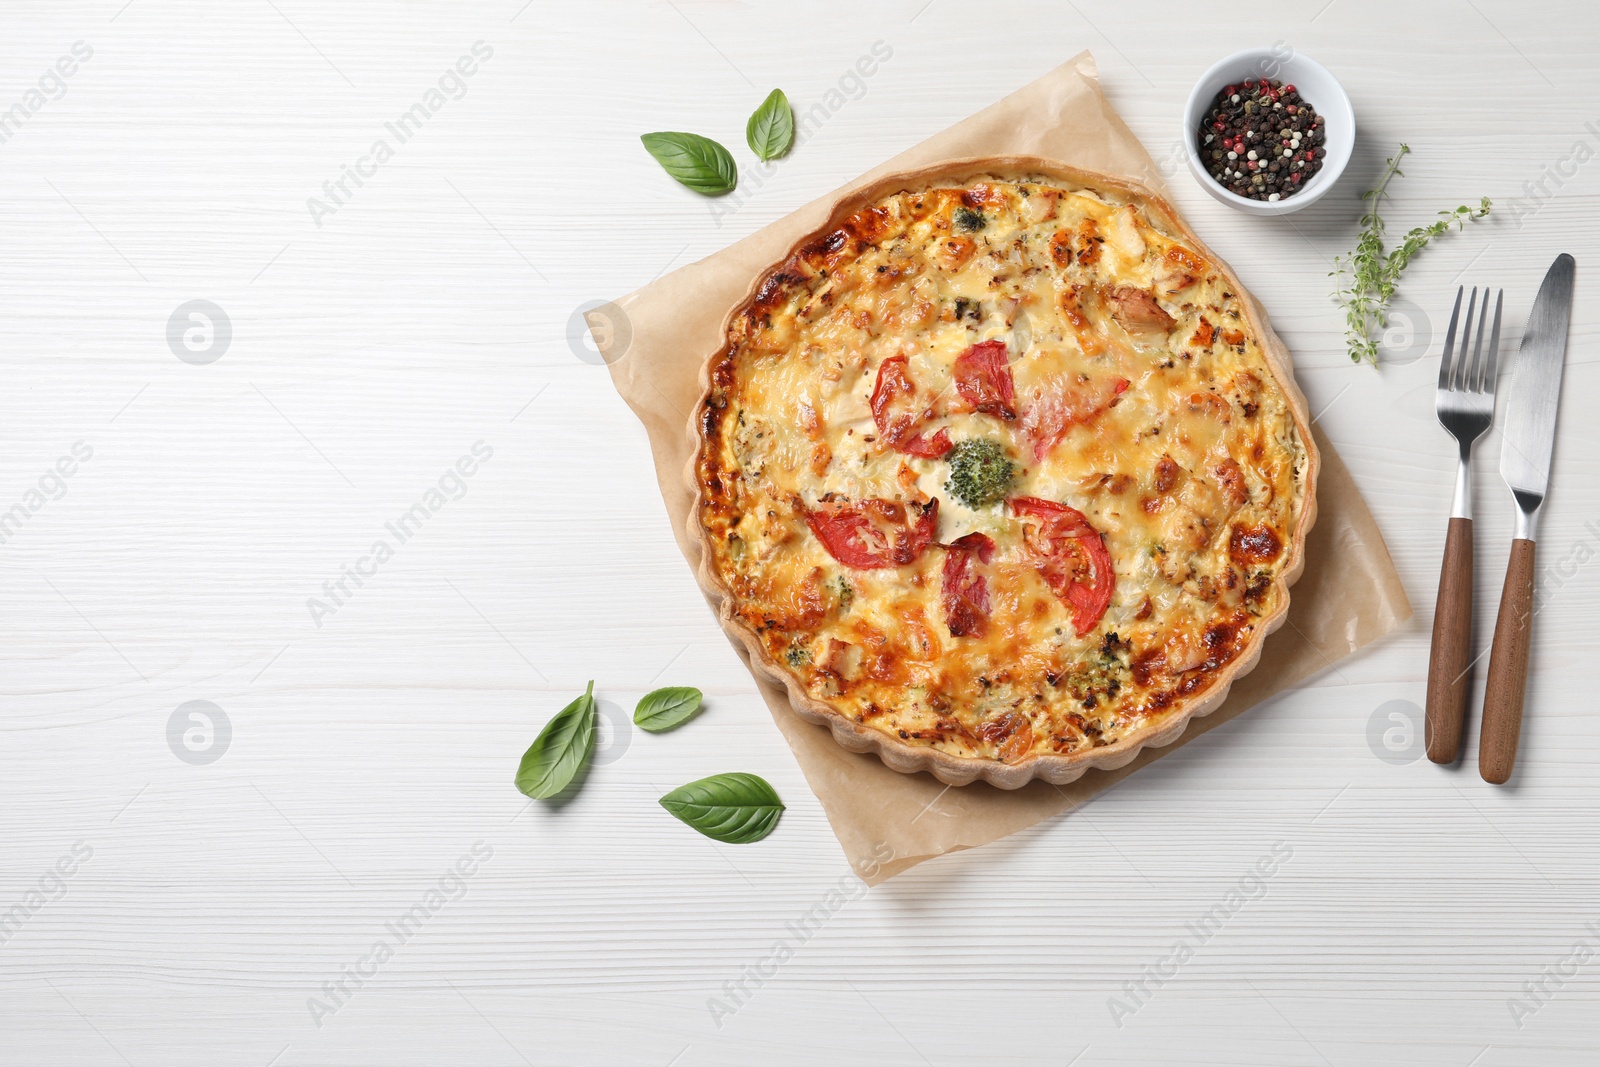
(1465, 404)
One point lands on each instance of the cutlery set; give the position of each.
(1465, 404)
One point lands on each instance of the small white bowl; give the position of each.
(1316, 86)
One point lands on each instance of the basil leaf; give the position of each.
(560, 751)
(737, 808)
(666, 708)
(770, 130)
(697, 162)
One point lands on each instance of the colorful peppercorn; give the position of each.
(1261, 141)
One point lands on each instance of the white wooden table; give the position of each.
(361, 755)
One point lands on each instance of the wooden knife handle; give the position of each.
(1449, 662)
(1508, 668)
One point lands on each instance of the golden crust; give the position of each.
(1156, 728)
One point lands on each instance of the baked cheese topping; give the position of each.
(1156, 474)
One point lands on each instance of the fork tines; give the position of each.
(1459, 372)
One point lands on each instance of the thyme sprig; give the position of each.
(1367, 278)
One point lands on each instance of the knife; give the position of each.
(1527, 441)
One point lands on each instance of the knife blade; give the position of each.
(1530, 431)
(1527, 443)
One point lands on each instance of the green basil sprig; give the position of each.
(560, 751)
(737, 808)
(770, 130)
(666, 708)
(697, 162)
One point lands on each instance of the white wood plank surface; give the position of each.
(209, 904)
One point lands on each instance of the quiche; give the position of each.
(1001, 473)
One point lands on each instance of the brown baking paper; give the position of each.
(888, 821)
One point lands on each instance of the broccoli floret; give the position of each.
(980, 473)
(843, 590)
(970, 220)
(798, 656)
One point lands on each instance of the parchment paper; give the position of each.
(656, 339)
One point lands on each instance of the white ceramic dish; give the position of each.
(1316, 85)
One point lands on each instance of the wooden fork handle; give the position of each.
(1508, 668)
(1451, 656)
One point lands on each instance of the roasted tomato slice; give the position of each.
(897, 422)
(928, 447)
(966, 594)
(875, 533)
(1070, 556)
(983, 378)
